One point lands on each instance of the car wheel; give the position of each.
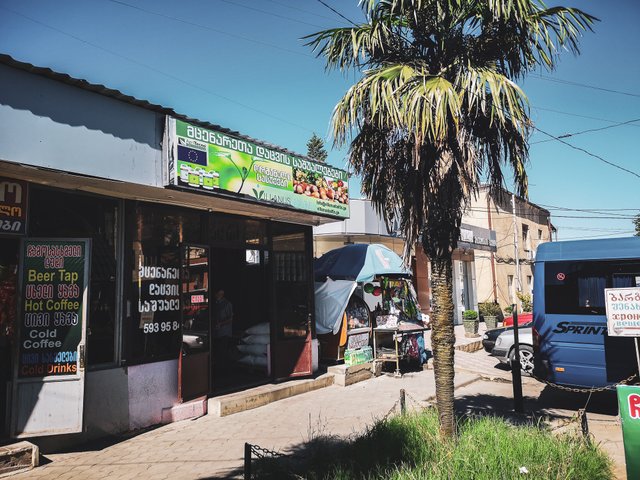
(526, 358)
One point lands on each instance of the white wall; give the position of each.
(46, 123)
(152, 387)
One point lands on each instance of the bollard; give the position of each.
(247, 461)
(403, 401)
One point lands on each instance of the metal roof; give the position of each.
(118, 95)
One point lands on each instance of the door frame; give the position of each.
(209, 389)
(308, 340)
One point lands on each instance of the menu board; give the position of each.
(53, 287)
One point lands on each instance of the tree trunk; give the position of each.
(442, 341)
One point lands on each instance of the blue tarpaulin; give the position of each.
(359, 262)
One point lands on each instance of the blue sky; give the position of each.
(241, 64)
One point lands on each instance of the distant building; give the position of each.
(365, 226)
(484, 264)
(497, 272)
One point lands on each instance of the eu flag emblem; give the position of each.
(191, 155)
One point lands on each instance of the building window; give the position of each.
(70, 215)
(539, 234)
(529, 283)
(525, 237)
(153, 313)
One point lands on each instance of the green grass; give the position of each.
(408, 447)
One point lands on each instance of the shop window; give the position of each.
(153, 313)
(70, 215)
(230, 231)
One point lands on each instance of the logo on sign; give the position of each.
(561, 276)
(634, 406)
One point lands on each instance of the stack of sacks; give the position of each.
(254, 344)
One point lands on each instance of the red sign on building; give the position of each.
(13, 206)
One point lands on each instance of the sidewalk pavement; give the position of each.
(212, 447)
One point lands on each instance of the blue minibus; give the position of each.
(571, 345)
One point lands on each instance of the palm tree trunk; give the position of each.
(442, 341)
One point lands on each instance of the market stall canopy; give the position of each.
(360, 263)
(332, 298)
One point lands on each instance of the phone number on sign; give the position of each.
(161, 327)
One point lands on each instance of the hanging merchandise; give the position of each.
(368, 288)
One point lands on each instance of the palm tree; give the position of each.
(435, 113)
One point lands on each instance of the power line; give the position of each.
(206, 27)
(589, 153)
(587, 229)
(309, 12)
(337, 13)
(584, 85)
(587, 210)
(266, 12)
(591, 210)
(567, 135)
(600, 119)
(538, 215)
(598, 236)
(154, 69)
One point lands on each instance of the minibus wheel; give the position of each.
(526, 359)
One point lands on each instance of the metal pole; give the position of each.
(515, 366)
(515, 244)
(247, 461)
(403, 401)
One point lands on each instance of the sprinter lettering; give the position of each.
(580, 328)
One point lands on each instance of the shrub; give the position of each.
(490, 309)
(470, 315)
(525, 301)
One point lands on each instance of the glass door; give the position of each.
(292, 300)
(194, 361)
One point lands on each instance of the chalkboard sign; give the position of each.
(53, 303)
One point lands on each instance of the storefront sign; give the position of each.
(477, 238)
(623, 311)
(159, 297)
(208, 161)
(13, 206)
(629, 403)
(358, 340)
(54, 283)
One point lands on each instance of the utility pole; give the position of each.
(515, 245)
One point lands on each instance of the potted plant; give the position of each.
(470, 321)
(491, 313)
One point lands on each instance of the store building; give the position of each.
(137, 247)
(366, 226)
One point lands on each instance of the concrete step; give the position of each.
(471, 346)
(257, 397)
(18, 457)
(345, 376)
(185, 411)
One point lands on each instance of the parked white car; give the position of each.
(504, 351)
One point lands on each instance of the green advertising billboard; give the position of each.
(53, 292)
(209, 161)
(629, 402)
